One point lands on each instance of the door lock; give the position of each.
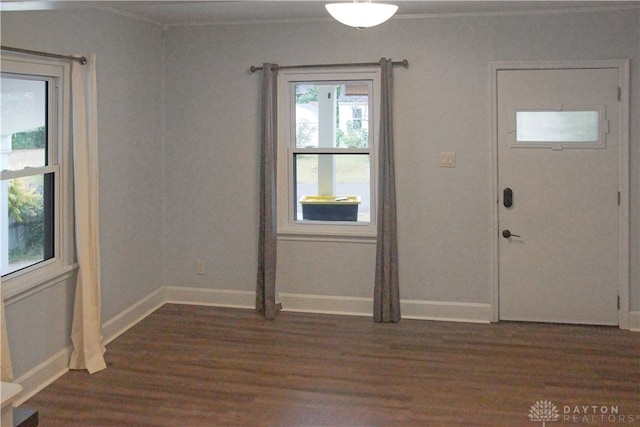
(507, 197)
(506, 234)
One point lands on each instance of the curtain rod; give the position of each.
(81, 59)
(404, 63)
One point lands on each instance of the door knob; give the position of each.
(506, 234)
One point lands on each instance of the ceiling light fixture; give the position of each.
(361, 14)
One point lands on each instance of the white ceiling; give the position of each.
(172, 13)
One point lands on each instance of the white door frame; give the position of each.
(623, 171)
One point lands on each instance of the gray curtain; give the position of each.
(386, 300)
(266, 289)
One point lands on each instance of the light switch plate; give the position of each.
(448, 160)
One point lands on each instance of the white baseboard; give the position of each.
(446, 311)
(119, 324)
(410, 309)
(634, 321)
(214, 297)
(326, 304)
(330, 304)
(42, 375)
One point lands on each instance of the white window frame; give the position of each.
(288, 227)
(27, 281)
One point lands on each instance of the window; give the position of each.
(564, 129)
(327, 167)
(32, 168)
(356, 123)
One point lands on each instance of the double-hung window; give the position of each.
(33, 171)
(327, 152)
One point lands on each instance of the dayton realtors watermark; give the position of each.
(597, 414)
(545, 411)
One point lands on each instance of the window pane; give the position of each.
(23, 105)
(332, 115)
(332, 187)
(27, 222)
(557, 126)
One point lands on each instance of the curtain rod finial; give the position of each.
(83, 61)
(253, 69)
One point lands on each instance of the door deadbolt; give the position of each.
(507, 197)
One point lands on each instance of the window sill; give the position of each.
(316, 235)
(31, 282)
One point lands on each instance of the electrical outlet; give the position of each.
(200, 267)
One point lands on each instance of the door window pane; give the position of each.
(557, 126)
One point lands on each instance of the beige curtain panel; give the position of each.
(86, 332)
(5, 356)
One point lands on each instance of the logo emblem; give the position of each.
(544, 410)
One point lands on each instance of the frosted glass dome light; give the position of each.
(361, 14)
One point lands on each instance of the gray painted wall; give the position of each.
(442, 103)
(164, 206)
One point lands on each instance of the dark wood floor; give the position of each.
(205, 366)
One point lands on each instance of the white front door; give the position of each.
(558, 204)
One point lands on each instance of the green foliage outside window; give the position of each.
(353, 137)
(310, 95)
(30, 139)
(26, 211)
(24, 203)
